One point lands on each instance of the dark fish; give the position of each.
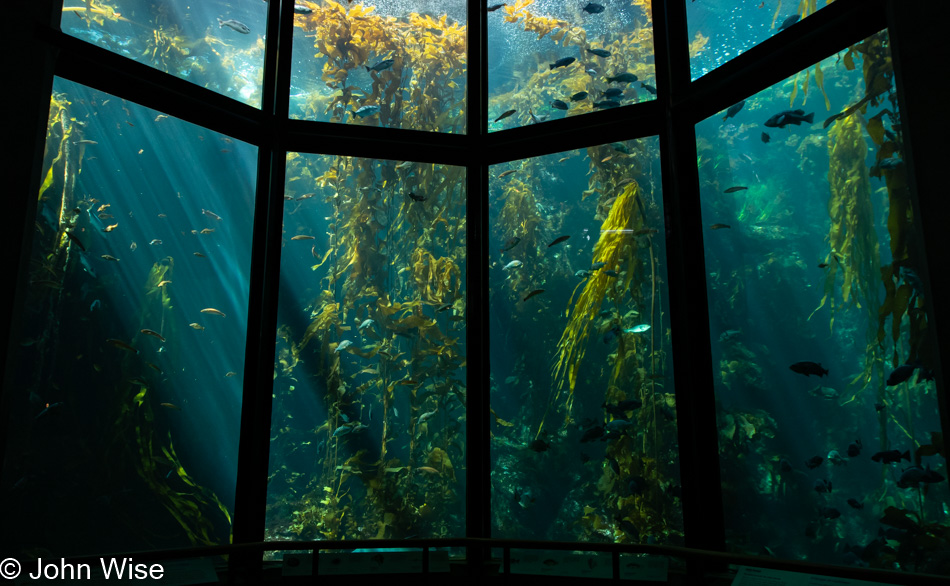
(814, 462)
(766, 137)
(913, 476)
(822, 485)
(783, 119)
(614, 92)
(382, 65)
(648, 88)
(593, 8)
(879, 406)
(901, 374)
(495, 7)
(539, 445)
(506, 114)
(578, 96)
(607, 104)
(823, 265)
(511, 243)
(558, 240)
(733, 110)
(891, 456)
(559, 105)
(614, 332)
(788, 22)
(719, 226)
(598, 265)
(533, 293)
(855, 504)
(416, 197)
(854, 449)
(808, 368)
(562, 62)
(735, 189)
(622, 78)
(829, 512)
(612, 274)
(599, 52)
(622, 407)
(76, 239)
(594, 433)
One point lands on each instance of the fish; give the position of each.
(605, 104)
(196, 326)
(598, 265)
(302, 237)
(719, 226)
(766, 137)
(206, 231)
(788, 22)
(648, 88)
(152, 333)
(562, 62)
(343, 345)
(593, 8)
(809, 368)
(155, 242)
(735, 189)
(855, 504)
(612, 333)
(539, 445)
(365, 111)
(382, 65)
(507, 173)
(613, 92)
(558, 240)
(505, 114)
(172, 406)
(901, 374)
(84, 141)
(416, 196)
(133, 246)
(829, 512)
(891, 456)
(733, 110)
(559, 105)
(367, 323)
(533, 293)
(639, 329)
(103, 207)
(429, 470)
(110, 228)
(213, 311)
(823, 265)
(154, 367)
(110, 257)
(911, 477)
(599, 52)
(592, 434)
(814, 462)
(854, 449)
(229, 374)
(510, 243)
(822, 485)
(607, 158)
(827, 393)
(622, 78)
(835, 458)
(301, 9)
(211, 214)
(234, 25)
(620, 409)
(783, 119)
(512, 265)
(123, 345)
(495, 7)
(199, 255)
(76, 239)
(578, 96)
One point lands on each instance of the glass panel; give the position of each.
(368, 437)
(126, 406)
(550, 59)
(584, 433)
(381, 63)
(722, 29)
(212, 44)
(823, 368)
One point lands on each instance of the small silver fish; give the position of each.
(365, 325)
(343, 345)
(234, 25)
(512, 265)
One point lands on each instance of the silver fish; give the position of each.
(343, 345)
(234, 25)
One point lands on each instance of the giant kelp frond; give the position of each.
(615, 248)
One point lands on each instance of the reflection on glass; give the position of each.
(722, 29)
(381, 63)
(368, 438)
(217, 45)
(126, 403)
(824, 373)
(583, 437)
(548, 60)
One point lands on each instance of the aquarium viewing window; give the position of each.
(591, 289)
